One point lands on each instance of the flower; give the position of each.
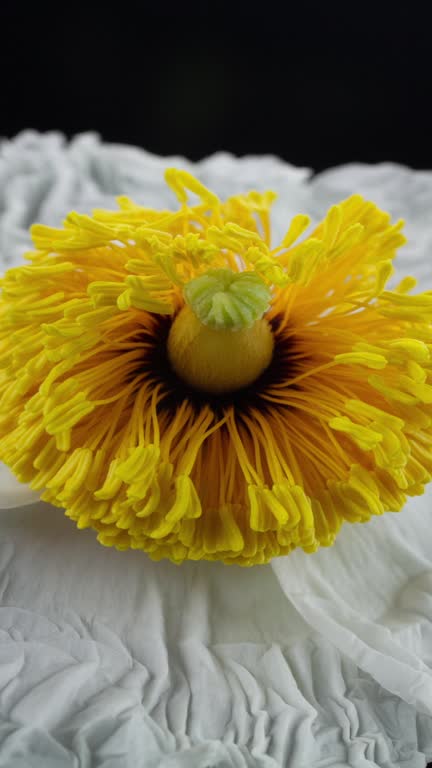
(175, 383)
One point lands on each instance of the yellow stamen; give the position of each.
(338, 429)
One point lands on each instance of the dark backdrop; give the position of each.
(318, 85)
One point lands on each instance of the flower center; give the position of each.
(220, 342)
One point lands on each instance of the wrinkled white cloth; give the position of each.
(108, 659)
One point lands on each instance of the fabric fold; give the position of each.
(109, 659)
(373, 565)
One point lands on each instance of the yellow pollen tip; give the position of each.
(218, 361)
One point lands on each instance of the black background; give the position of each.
(318, 84)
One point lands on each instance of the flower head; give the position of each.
(182, 387)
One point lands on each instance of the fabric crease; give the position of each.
(110, 660)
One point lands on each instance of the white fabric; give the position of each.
(108, 659)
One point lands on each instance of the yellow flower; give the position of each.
(181, 387)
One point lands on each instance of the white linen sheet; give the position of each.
(110, 660)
